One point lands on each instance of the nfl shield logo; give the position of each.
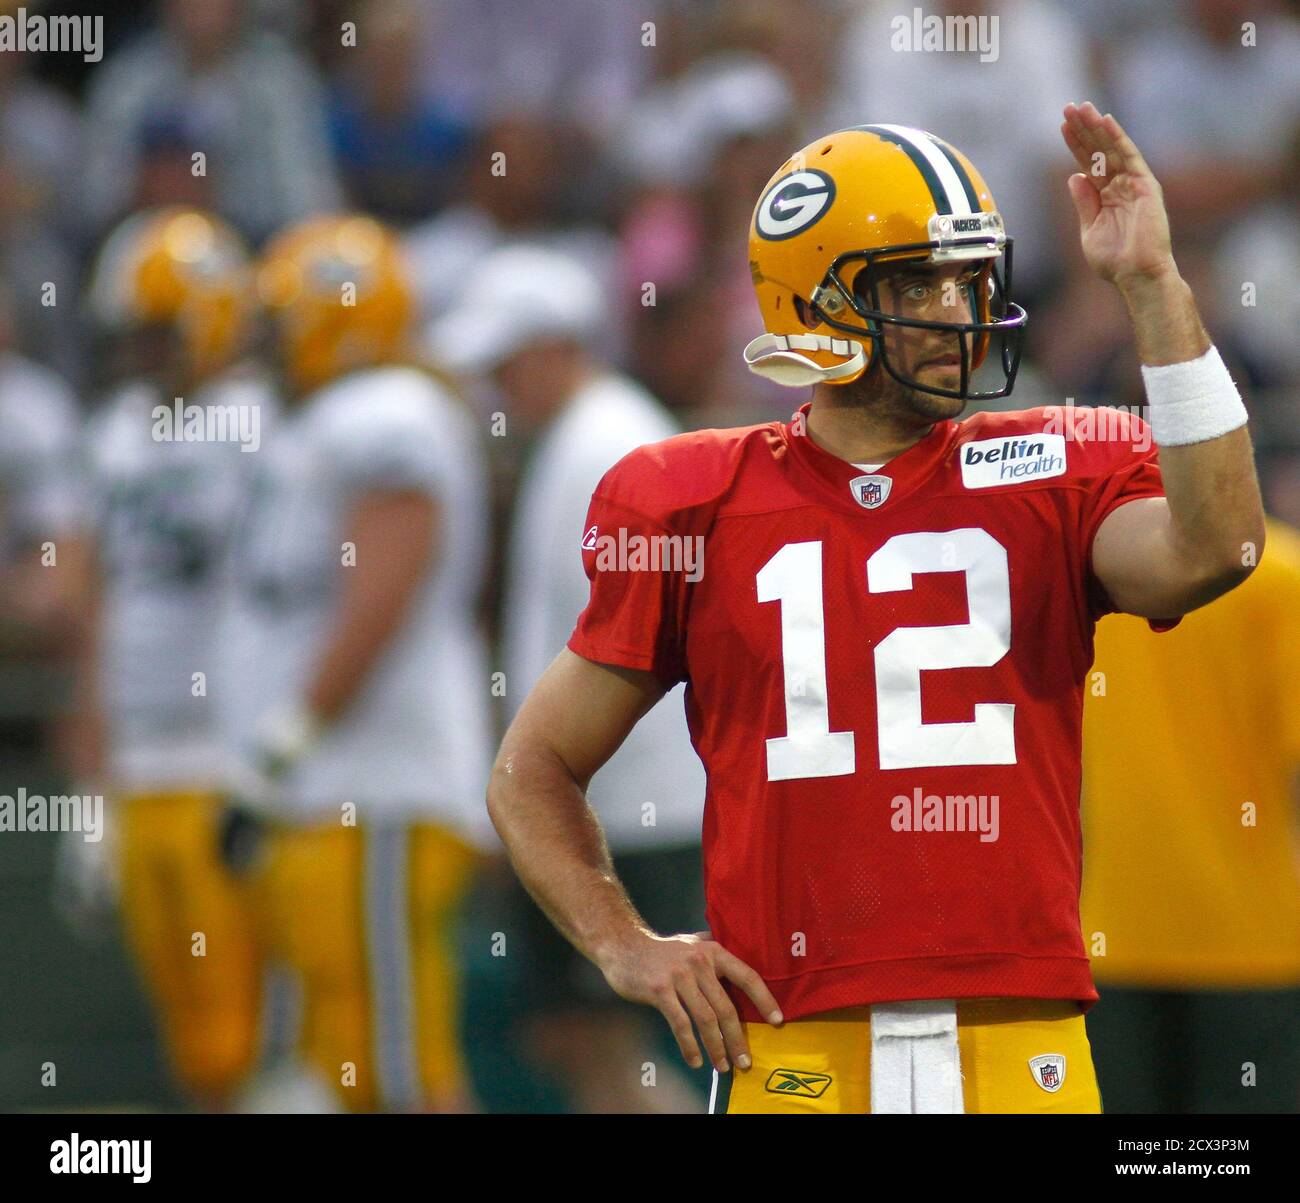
(1048, 1071)
(870, 491)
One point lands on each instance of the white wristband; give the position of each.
(1192, 402)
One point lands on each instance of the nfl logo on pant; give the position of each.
(1048, 1070)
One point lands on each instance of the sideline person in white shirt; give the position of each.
(531, 320)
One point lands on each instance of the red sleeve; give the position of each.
(635, 616)
(1123, 467)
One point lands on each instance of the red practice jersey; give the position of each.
(885, 678)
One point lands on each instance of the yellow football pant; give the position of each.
(191, 927)
(360, 915)
(363, 915)
(823, 1064)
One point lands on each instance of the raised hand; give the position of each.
(1122, 221)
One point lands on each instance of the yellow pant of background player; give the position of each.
(362, 915)
(823, 1064)
(175, 888)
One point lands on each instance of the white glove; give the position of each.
(88, 879)
(253, 787)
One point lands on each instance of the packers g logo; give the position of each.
(797, 1082)
(794, 203)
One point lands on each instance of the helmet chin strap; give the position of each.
(775, 356)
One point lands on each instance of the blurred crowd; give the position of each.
(636, 137)
(623, 143)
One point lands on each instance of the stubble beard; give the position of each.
(876, 390)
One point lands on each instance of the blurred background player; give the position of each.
(1191, 885)
(173, 302)
(532, 320)
(40, 587)
(44, 561)
(355, 700)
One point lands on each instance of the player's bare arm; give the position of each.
(573, 721)
(86, 879)
(81, 733)
(1160, 556)
(394, 533)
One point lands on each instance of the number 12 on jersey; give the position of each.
(793, 577)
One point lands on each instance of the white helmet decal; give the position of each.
(793, 203)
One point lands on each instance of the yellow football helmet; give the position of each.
(338, 291)
(178, 267)
(837, 211)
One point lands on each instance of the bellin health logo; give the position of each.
(1012, 460)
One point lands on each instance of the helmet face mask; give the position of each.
(832, 224)
(853, 283)
(156, 351)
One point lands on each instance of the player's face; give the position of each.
(154, 352)
(927, 293)
(539, 378)
(934, 294)
(283, 348)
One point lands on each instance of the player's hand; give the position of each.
(1122, 220)
(87, 880)
(681, 976)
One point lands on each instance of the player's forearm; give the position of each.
(1166, 324)
(394, 536)
(80, 732)
(1216, 514)
(557, 848)
(361, 634)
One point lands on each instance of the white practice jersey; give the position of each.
(414, 742)
(164, 507)
(547, 589)
(40, 493)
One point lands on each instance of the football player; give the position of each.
(885, 651)
(356, 701)
(173, 301)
